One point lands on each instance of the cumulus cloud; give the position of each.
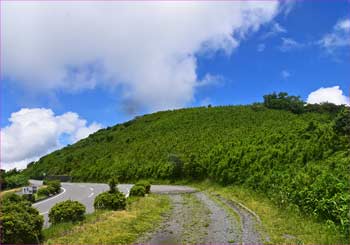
(36, 132)
(147, 50)
(331, 94)
(338, 38)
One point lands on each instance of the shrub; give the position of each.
(111, 201)
(29, 197)
(138, 190)
(112, 185)
(43, 191)
(145, 184)
(9, 198)
(55, 186)
(66, 211)
(51, 190)
(20, 223)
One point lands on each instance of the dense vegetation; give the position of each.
(145, 184)
(67, 211)
(19, 222)
(12, 179)
(296, 155)
(138, 191)
(52, 187)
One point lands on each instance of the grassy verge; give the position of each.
(112, 227)
(282, 226)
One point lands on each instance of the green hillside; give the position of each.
(296, 160)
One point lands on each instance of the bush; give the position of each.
(43, 191)
(67, 211)
(20, 223)
(9, 198)
(51, 190)
(29, 197)
(138, 190)
(112, 185)
(110, 201)
(145, 184)
(54, 186)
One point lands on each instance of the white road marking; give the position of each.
(91, 189)
(49, 199)
(44, 213)
(91, 195)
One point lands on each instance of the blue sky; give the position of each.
(294, 46)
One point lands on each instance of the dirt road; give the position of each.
(197, 218)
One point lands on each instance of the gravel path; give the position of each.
(223, 227)
(250, 234)
(195, 218)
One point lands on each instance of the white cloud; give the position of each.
(287, 6)
(285, 74)
(289, 44)
(261, 47)
(276, 29)
(36, 132)
(148, 50)
(339, 37)
(331, 94)
(210, 80)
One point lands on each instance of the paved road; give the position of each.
(86, 193)
(82, 192)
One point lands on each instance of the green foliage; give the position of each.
(20, 223)
(66, 211)
(324, 108)
(143, 215)
(297, 159)
(29, 197)
(138, 190)
(43, 191)
(54, 186)
(112, 185)
(13, 179)
(285, 102)
(342, 122)
(145, 184)
(110, 200)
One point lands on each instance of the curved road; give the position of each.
(82, 192)
(86, 193)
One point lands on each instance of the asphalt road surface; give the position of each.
(82, 192)
(85, 193)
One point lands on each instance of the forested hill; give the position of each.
(297, 158)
